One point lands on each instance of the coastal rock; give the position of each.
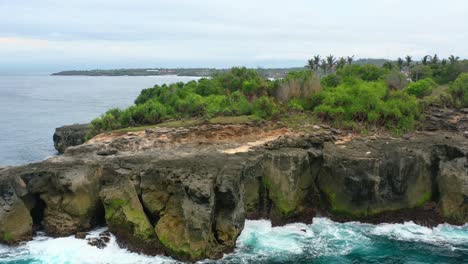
(15, 219)
(124, 213)
(187, 192)
(364, 179)
(66, 195)
(452, 182)
(67, 136)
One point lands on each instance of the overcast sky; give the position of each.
(49, 35)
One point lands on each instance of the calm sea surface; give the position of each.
(31, 107)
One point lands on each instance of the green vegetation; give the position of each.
(348, 95)
(459, 90)
(421, 88)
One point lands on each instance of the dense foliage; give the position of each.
(421, 88)
(367, 102)
(459, 90)
(351, 95)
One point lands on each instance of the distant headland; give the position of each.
(195, 72)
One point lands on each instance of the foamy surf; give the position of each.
(323, 241)
(70, 250)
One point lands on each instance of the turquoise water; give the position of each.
(324, 241)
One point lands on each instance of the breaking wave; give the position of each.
(323, 241)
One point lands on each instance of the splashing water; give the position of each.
(324, 241)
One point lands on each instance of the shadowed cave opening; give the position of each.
(37, 213)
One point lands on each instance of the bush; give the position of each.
(147, 94)
(331, 80)
(239, 105)
(365, 72)
(368, 102)
(459, 90)
(265, 107)
(419, 72)
(396, 80)
(421, 88)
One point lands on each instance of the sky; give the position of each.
(49, 35)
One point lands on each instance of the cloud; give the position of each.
(213, 33)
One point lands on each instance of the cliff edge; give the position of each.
(187, 191)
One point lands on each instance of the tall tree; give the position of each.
(435, 59)
(453, 59)
(310, 65)
(400, 63)
(409, 60)
(316, 62)
(350, 59)
(330, 62)
(323, 65)
(425, 59)
(341, 63)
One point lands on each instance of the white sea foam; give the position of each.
(409, 231)
(259, 242)
(71, 250)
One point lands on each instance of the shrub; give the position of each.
(459, 90)
(206, 87)
(147, 94)
(419, 72)
(365, 72)
(421, 88)
(265, 107)
(239, 105)
(396, 80)
(331, 80)
(368, 102)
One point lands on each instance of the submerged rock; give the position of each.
(187, 192)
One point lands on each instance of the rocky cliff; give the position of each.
(186, 192)
(69, 136)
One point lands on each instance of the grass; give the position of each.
(234, 119)
(300, 121)
(192, 122)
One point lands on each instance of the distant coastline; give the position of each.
(192, 72)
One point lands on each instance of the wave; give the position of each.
(323, 241)
(70, 250)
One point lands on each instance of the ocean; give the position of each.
(31, 107)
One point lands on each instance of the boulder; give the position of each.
(15, 219)
(72, 135)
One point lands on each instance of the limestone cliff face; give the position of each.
(187, 192)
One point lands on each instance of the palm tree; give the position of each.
(350, 59)
(323, 65)
(310, 64)
(341, 63)
(408, 61)
(330, 62)
(425, 59)
(453, 59)
(400, 63)
(435, 59)
(444, 62)
(317, 62)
